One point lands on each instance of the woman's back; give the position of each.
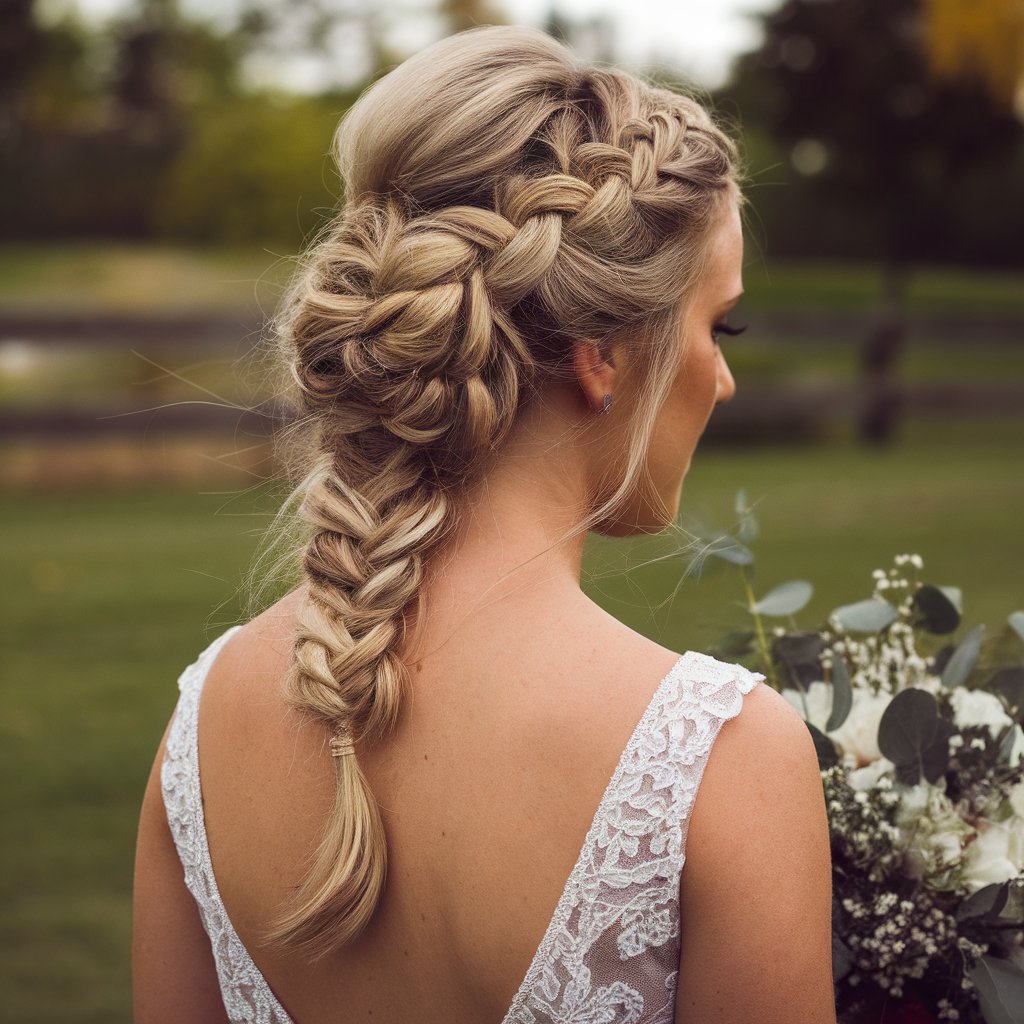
(488, 788)
(438, 767)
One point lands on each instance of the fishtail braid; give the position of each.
(524, 200)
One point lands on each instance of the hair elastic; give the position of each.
(341, 745)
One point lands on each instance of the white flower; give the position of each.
(978, 707)
(819, 702)
(935, 832)
(1015, 826)
(929, 682)
(857, 737)
(868, 776)
(996, 855)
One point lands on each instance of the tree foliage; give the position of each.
(981, 41)
(872, 137)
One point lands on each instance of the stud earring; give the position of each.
(606, 404)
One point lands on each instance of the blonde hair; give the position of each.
(502, 198)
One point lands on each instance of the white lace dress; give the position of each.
(610, 954)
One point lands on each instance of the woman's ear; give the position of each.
(595, 372)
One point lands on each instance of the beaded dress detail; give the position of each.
(610, 954)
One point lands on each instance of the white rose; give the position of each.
(858, 735)
(978, 707)
(991, 857)
(819, 702)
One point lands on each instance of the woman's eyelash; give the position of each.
(726, 329)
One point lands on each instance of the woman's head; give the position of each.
(506, 206)
(502, 199)
(701, 381)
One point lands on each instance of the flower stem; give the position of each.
(762, 640)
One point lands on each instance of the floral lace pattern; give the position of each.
(610, 954)
(247, 996)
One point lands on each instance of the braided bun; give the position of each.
(502, 199)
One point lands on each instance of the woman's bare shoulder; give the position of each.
(755, 891)
(763, 762)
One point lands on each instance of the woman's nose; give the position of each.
(726, 384)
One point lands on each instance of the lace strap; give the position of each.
(247, 996)
(622, 898)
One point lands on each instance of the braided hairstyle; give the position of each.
(502, 198)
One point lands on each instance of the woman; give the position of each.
(438, 782)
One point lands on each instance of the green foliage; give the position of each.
(257, 170)
(873, 152)
(142, 127)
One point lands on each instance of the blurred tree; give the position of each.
(846, 85)
(983, 40)
(325, 28)
(93, 118)
(463, 14)
(21, 44)
(593, 38)
(259, 175)
(143, 86)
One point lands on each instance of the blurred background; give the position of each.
(161, 163)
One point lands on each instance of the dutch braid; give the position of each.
(477, 239)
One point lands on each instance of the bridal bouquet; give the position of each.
(921, 751)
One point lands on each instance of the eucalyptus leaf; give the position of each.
(935, 611)
(785, 599)
(935, 757)
(1016, 621)
(748, 529)
(1000, 985)
(842, 694)
(867, 616)
(825, 748)
(842, 958)
(959, 667)
(732, 550)
(1010, 740)
(1008, 683)
(908, 727)
(799, 656)
(986, 902)
(733, 645)
(956, 597)
(940, 659)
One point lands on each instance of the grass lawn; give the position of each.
(111, 594)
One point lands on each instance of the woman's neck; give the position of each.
(510, 556)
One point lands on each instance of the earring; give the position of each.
(606, 404)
